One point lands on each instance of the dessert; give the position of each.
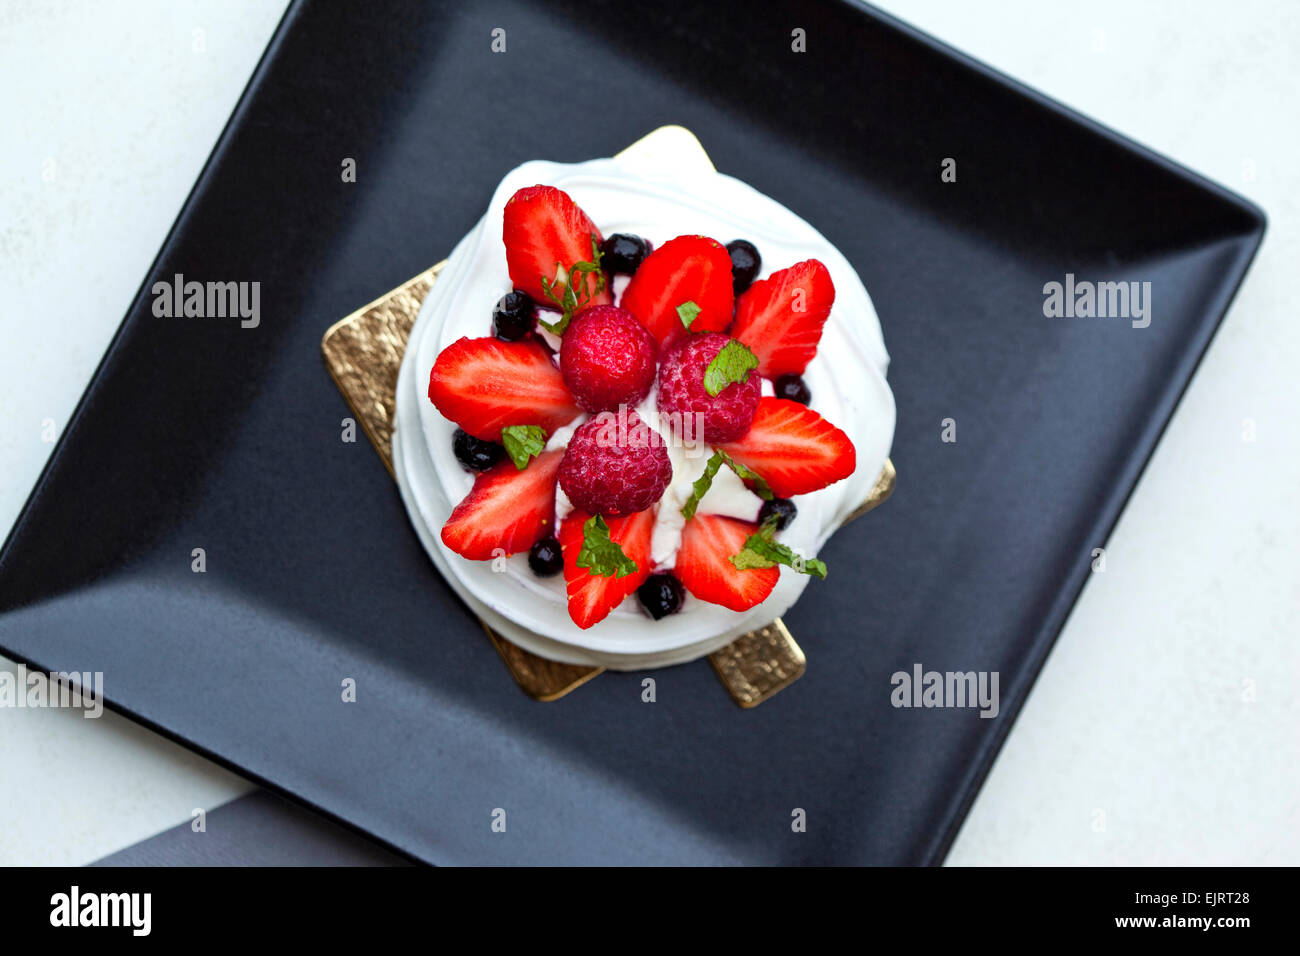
(621, 441)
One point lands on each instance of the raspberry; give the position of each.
(681, 390)
(607, 358)
(615, 465)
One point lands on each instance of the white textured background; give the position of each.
(1142, 741)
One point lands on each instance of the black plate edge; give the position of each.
(1250, 240)
(123, 711)
(1250, 244)
(264, 60)
(218, 148)
(1247, 206)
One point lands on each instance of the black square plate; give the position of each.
(197, 433)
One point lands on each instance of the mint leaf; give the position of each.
(600, 553)
(523, 443)
(761, 550)
(732, 364)
(745, 473)
(705, 481)
(701, 485)
(557, 327)
(748, 559)
(687, 312)
(563, 294)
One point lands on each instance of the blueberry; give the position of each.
(792, 387)
(545, 559)
(475, 453)
(660, 595)
(513, 315)
(745, 263)
(623, 252)
(783, 508)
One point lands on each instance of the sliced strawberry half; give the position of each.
(592, 596)
(686, 269)
(793, 448)
(507, 510)
(705, 569)
(781, 317)
(485, 384)
(545, 233)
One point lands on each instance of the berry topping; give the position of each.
(615, 465)
(475, 453)
(608, 359)
(781, 317)
(546, 234)
(623, 253)
(660, 595)
(506, 511)
(545, 558)
(782, 509)
(705, 568)
(513, 316)
(685, 378)
(792, 387)
(688, 269)
(745, 263)
(592, 593)
(793, 448)
(695, 319)
(484, 385)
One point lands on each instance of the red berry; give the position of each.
(704, 563)
(544, 231)
(793, 448)
(593, 596)
(781, 317)
(506, 510)
(608, 359)
(681, 390)
(485, 384)
(615, 465)
(686, 269)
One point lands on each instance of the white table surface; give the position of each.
(1167, 712)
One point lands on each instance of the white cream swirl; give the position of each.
(662, 187)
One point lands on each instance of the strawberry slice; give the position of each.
(545, 232)
(793, 448)
(507, 509)
(686, 269)
(485, 384)
(593, 596)
(705, 569)
(781, 317)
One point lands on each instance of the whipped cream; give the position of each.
(662, 187)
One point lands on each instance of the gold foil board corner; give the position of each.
(758, 665)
